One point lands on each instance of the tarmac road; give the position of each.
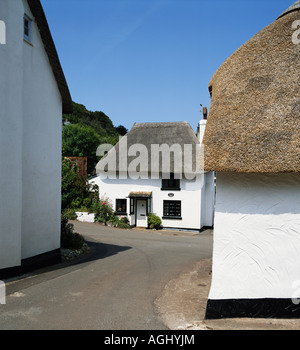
(115, 288)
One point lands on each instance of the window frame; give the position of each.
(131, 206)
(168, 216)
(170, 184)
(122, 212)
(28, 37)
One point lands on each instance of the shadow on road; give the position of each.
(101, 251)
(97, 251)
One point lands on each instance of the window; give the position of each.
(172, 210)
(171, 183)
(131, 206)
(121, 206)
(2, 33)
(27, 28)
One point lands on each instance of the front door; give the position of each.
(141, 213)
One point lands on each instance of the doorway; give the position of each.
(141, 213)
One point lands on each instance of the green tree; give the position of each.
(121, 130)
(98, 120)
(81, 141)
(76, 193)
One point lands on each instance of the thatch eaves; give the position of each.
(254, 118)
(40, 18)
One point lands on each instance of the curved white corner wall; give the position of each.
(256, 250)
(30, 143)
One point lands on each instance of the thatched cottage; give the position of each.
(154, 168)
(252, 141)
(34, 94)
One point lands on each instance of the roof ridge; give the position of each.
(160, 123)
(294, 7)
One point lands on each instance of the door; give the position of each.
(141, 213)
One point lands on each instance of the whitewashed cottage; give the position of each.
(33, 96)
(252, 141)
(154, 168)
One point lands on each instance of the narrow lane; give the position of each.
(114, 289)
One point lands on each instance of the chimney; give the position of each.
(204, 113)
(202, 125)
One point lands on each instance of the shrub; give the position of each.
(154, 221)
(124, 220)
(69, 214)
(69, 238)
(114, 220)
(123, 223)
(103, 210)
(69, 177)
(76, 193)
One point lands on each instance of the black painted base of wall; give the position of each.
(252, 308)
(31, 264)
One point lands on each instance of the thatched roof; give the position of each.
(40, 18)
(169, 133)
(140, 195)
(172, 134)
(294, 7)
(254, 118)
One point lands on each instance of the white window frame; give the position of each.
(29, 21)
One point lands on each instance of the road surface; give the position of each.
(115, 288)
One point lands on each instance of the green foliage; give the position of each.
(123, 223)
(118, 222)
(69, 238)
(69, 214)
(81, 138)
(99, 121)
(69, 178)
(103, 210)
(154, 221)
(121, 130)
(76, 193)
(87, 131)
(81, 141)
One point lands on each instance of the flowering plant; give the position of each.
(76, 192)
(103, 210)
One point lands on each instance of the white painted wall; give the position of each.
(208, 199)
(190, 196)
(11, 88)
(42, 113)
(201, 129)
(256, 236)
(208, 190)
(30, 143)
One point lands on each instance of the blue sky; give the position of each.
(150, 60)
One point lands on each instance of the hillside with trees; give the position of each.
(84, 131)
